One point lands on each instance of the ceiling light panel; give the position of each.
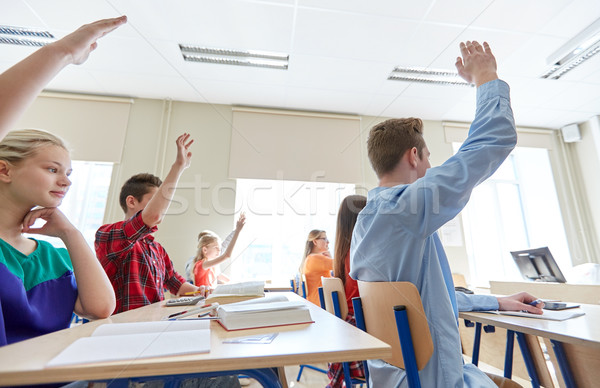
(424, 75)
(23, 36)
(576, 51)
(223, 56)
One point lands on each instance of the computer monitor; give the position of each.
(538, 265)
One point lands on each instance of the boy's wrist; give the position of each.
(483, 78)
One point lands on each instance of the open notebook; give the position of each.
(550, 315)
(130, 341)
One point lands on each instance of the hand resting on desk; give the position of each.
(519, 302)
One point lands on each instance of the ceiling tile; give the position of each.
(362, 37)
(462, 12)
(517, 15)
(572, 19)
(336, 74)
(406, 9)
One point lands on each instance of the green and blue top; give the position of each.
(37, 291)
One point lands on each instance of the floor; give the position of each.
(314, 379)
(309, 378)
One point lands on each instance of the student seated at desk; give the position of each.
(138, 267)
(316, 262)
(41, 286)
(208, 256)
(395, 236)
(346, 219)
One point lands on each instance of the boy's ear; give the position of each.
(131, 201)
(5, 171)
(413, 155)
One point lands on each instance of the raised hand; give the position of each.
(80, 43)
(241, 221)
(184, 156)
(478, 64)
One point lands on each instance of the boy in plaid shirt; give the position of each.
(138, 267)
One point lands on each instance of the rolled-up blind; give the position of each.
(93, 127)
(273, 144)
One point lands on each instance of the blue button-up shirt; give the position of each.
(395, 239)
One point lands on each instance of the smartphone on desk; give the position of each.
(559, 305)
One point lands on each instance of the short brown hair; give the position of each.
(137, 186)
(388, 142)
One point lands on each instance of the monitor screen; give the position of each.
(538, 265)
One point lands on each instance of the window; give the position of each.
(85, 202)
(280, 215)
(515, 209)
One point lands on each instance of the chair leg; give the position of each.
(347, 377)
(300, 373)
(408, 350)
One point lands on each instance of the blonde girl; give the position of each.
(209, 255)
(41, 286)
(316, 262)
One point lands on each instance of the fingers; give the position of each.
(459, 64)
(463, 49)
(486, 47)
(108, 25)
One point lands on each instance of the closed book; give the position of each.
(244, 315)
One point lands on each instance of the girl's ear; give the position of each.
(5, 171)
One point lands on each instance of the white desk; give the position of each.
(578, 339)
(329, 339)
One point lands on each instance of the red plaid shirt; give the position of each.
(137, 266)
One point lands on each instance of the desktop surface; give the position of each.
(329, 339)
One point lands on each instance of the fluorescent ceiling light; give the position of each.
(431, 76)
(25, 36)
(234, 57)
(582, 47)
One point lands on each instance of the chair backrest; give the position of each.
(378, 302)
(329, 286)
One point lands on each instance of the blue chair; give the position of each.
(333, 299)
(300, 289)
(385, 305)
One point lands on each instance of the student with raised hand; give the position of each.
(395, 236)
(138, 267)
(41, 286)
(209, 255)
(346, 219)
(316, 262)
(21, 84)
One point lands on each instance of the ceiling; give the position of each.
(340, 53)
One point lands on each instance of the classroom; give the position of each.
(281, 134)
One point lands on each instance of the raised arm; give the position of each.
(20, 84)
(155, 211)
(227, 254)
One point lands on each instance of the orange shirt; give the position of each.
(315, 266)
(204, 277)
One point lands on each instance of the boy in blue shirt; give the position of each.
(395, 237)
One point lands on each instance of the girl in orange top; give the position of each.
(317, 262)
(208, 256)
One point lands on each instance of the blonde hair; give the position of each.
(22, 144)
(310, 244)
(204, 239)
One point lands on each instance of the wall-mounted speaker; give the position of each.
(570, 133)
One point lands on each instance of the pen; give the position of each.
(535, 302)
(199, 310)
(192, 293)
